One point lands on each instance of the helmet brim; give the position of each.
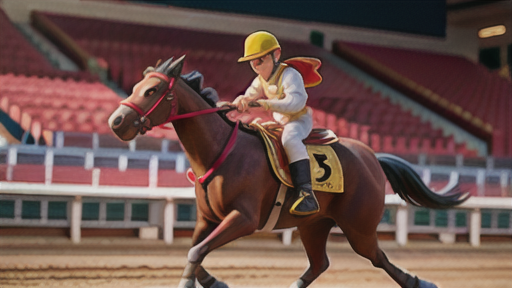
(257, 55)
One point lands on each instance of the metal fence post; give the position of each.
(475, 227)
(76, 219)
(401, 233)
(48, 167)
(169, 221)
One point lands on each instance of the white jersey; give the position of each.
(287, 99)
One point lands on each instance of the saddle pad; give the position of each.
(326, 170)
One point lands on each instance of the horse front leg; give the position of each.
(234, 226)
(207, 280)
(203, 228)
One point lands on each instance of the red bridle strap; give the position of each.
(171, 83)
(193, 114)
(222, 157)
(133, 106)
(137, 108)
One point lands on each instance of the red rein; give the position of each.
(173, 116)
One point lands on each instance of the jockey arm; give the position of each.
(295, 95)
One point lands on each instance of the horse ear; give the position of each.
(164, 66)
(175, 69)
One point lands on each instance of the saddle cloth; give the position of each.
(326, 170)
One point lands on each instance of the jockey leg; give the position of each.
(301, 176)
(293, 134)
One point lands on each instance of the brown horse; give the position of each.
(237, 198)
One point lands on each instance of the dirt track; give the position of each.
(246, 263)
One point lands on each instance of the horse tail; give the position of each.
(410, 187)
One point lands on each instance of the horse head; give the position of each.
(151, 103)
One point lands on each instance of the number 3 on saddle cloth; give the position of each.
(326, 171)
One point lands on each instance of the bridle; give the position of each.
(142, 122)
(143, 116)
(173, 116)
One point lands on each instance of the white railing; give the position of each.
(401, 228)
(168, 196)
(404, 219)
(18, 191)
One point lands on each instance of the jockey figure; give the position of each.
(286, 96)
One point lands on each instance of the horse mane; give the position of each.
(195, 80)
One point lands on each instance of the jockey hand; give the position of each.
(223, 104)
(263, 103)
(241, 103)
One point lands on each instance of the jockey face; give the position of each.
(264, 66)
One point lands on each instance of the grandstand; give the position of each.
(464, 92)
(63, 168)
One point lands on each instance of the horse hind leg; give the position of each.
(314, 238)
(367, 247)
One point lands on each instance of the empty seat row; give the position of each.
(453, 86)
(38, 109)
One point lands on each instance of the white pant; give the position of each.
(293, 134)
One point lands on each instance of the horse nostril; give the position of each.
(118, 120)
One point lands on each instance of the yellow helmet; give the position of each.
(259, 44)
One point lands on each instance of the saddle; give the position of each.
(326, 170)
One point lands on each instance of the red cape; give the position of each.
(308, 68)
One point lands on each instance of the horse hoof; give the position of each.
(187, 283)
(298, 284)
(219, 284)
(425, 284)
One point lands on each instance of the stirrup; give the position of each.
(312, 210)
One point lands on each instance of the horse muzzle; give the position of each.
(123, 122)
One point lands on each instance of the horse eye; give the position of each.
(149, 92)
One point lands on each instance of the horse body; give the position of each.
(237, 199)
(204, 139)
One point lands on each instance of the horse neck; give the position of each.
(203, 137)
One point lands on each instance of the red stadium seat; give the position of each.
(130, 177)
(28, 173)
(171, 178)
(71, 175)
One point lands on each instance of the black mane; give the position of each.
(195, 80)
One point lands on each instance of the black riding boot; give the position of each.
(301, 177)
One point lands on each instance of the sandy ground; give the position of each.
(252, 262)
